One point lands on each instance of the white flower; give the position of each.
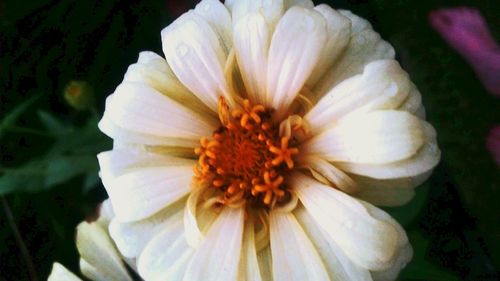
(244, 155)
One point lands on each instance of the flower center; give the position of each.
(246, 160)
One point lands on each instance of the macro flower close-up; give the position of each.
(257, 146)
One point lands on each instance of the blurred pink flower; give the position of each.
(467, 32)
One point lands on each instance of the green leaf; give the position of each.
(52, 124)
(12, 116)
(63, 168)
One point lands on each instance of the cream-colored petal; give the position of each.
(97, 249)
(90, 271)
(338, 265)
(413, 103)
(382, 85)
(301, 3)
(217, 258)
(338, 33)
(123, 135)
(140, 108)
(219, 18)
(131, 237)
(270, 10)
(295, 49)
(249, 265)
(265, 263)
(330, 173)
(106, 213)
(167, 255)
(197, 56)
(142, 192)
(154, 71)
(60, 273)
(193, 231)
(420, 164)
(369, 242)
(294, 256)
(404, 253)
(375, 137)
(252, 36)
(365, 45)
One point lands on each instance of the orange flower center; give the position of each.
(246, 160)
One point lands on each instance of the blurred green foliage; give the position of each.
(49, 172)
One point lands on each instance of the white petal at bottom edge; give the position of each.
(167, 255)
(131, 238)
(368, 241)
(97, 249)
(339, 266)
(142, 192)
(90, 271)
(60, 273)
(249, 264)
(294, 256)
(218, 256)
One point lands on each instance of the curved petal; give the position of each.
(420, 164)
(196, 55)
(252, 36)
(154, 71)
(167, 255)
(338, 33)
(294, 256)
(301, 3)
(217, 15)
(90, 271)
(382, 85)
(375, 137)
(140, 108)
(60, 273)
(369, 242)
(339, 266)
(123, 135)
(265, 263)
(330, 173)
(224, 241)
(97, 249)
(413, 103)
(142, 192)
(365, 45)
(295, 49)
(270, 10)
(131, 237)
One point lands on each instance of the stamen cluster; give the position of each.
(246, 160)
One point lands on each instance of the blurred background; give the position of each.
(49, 138)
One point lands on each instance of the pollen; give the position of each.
(246, 161)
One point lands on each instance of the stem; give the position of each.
(19, 240)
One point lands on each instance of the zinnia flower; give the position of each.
(256, 148)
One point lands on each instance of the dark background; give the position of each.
(48, 169)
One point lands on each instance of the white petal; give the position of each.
(369, 242)
(265, 263)
(217, 15)
(123, 135)
(270, 10)
(364, 46)
(249, 265)
(193, 232)
(106, 213)
(338, 33)
(97, 249)
(131, 238)
(421, 163)
(295, 49)
(413, 103)
(294, 256)
(60, 273)
(373, 138)
(252, 36)
(218, 256)
(197, 57)
(154, 71)
(90, 271)
(142, 192)
(339, 266)
(301, 3)
(332, 174)
(383, 85)
(139, 108)
(167, 255)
